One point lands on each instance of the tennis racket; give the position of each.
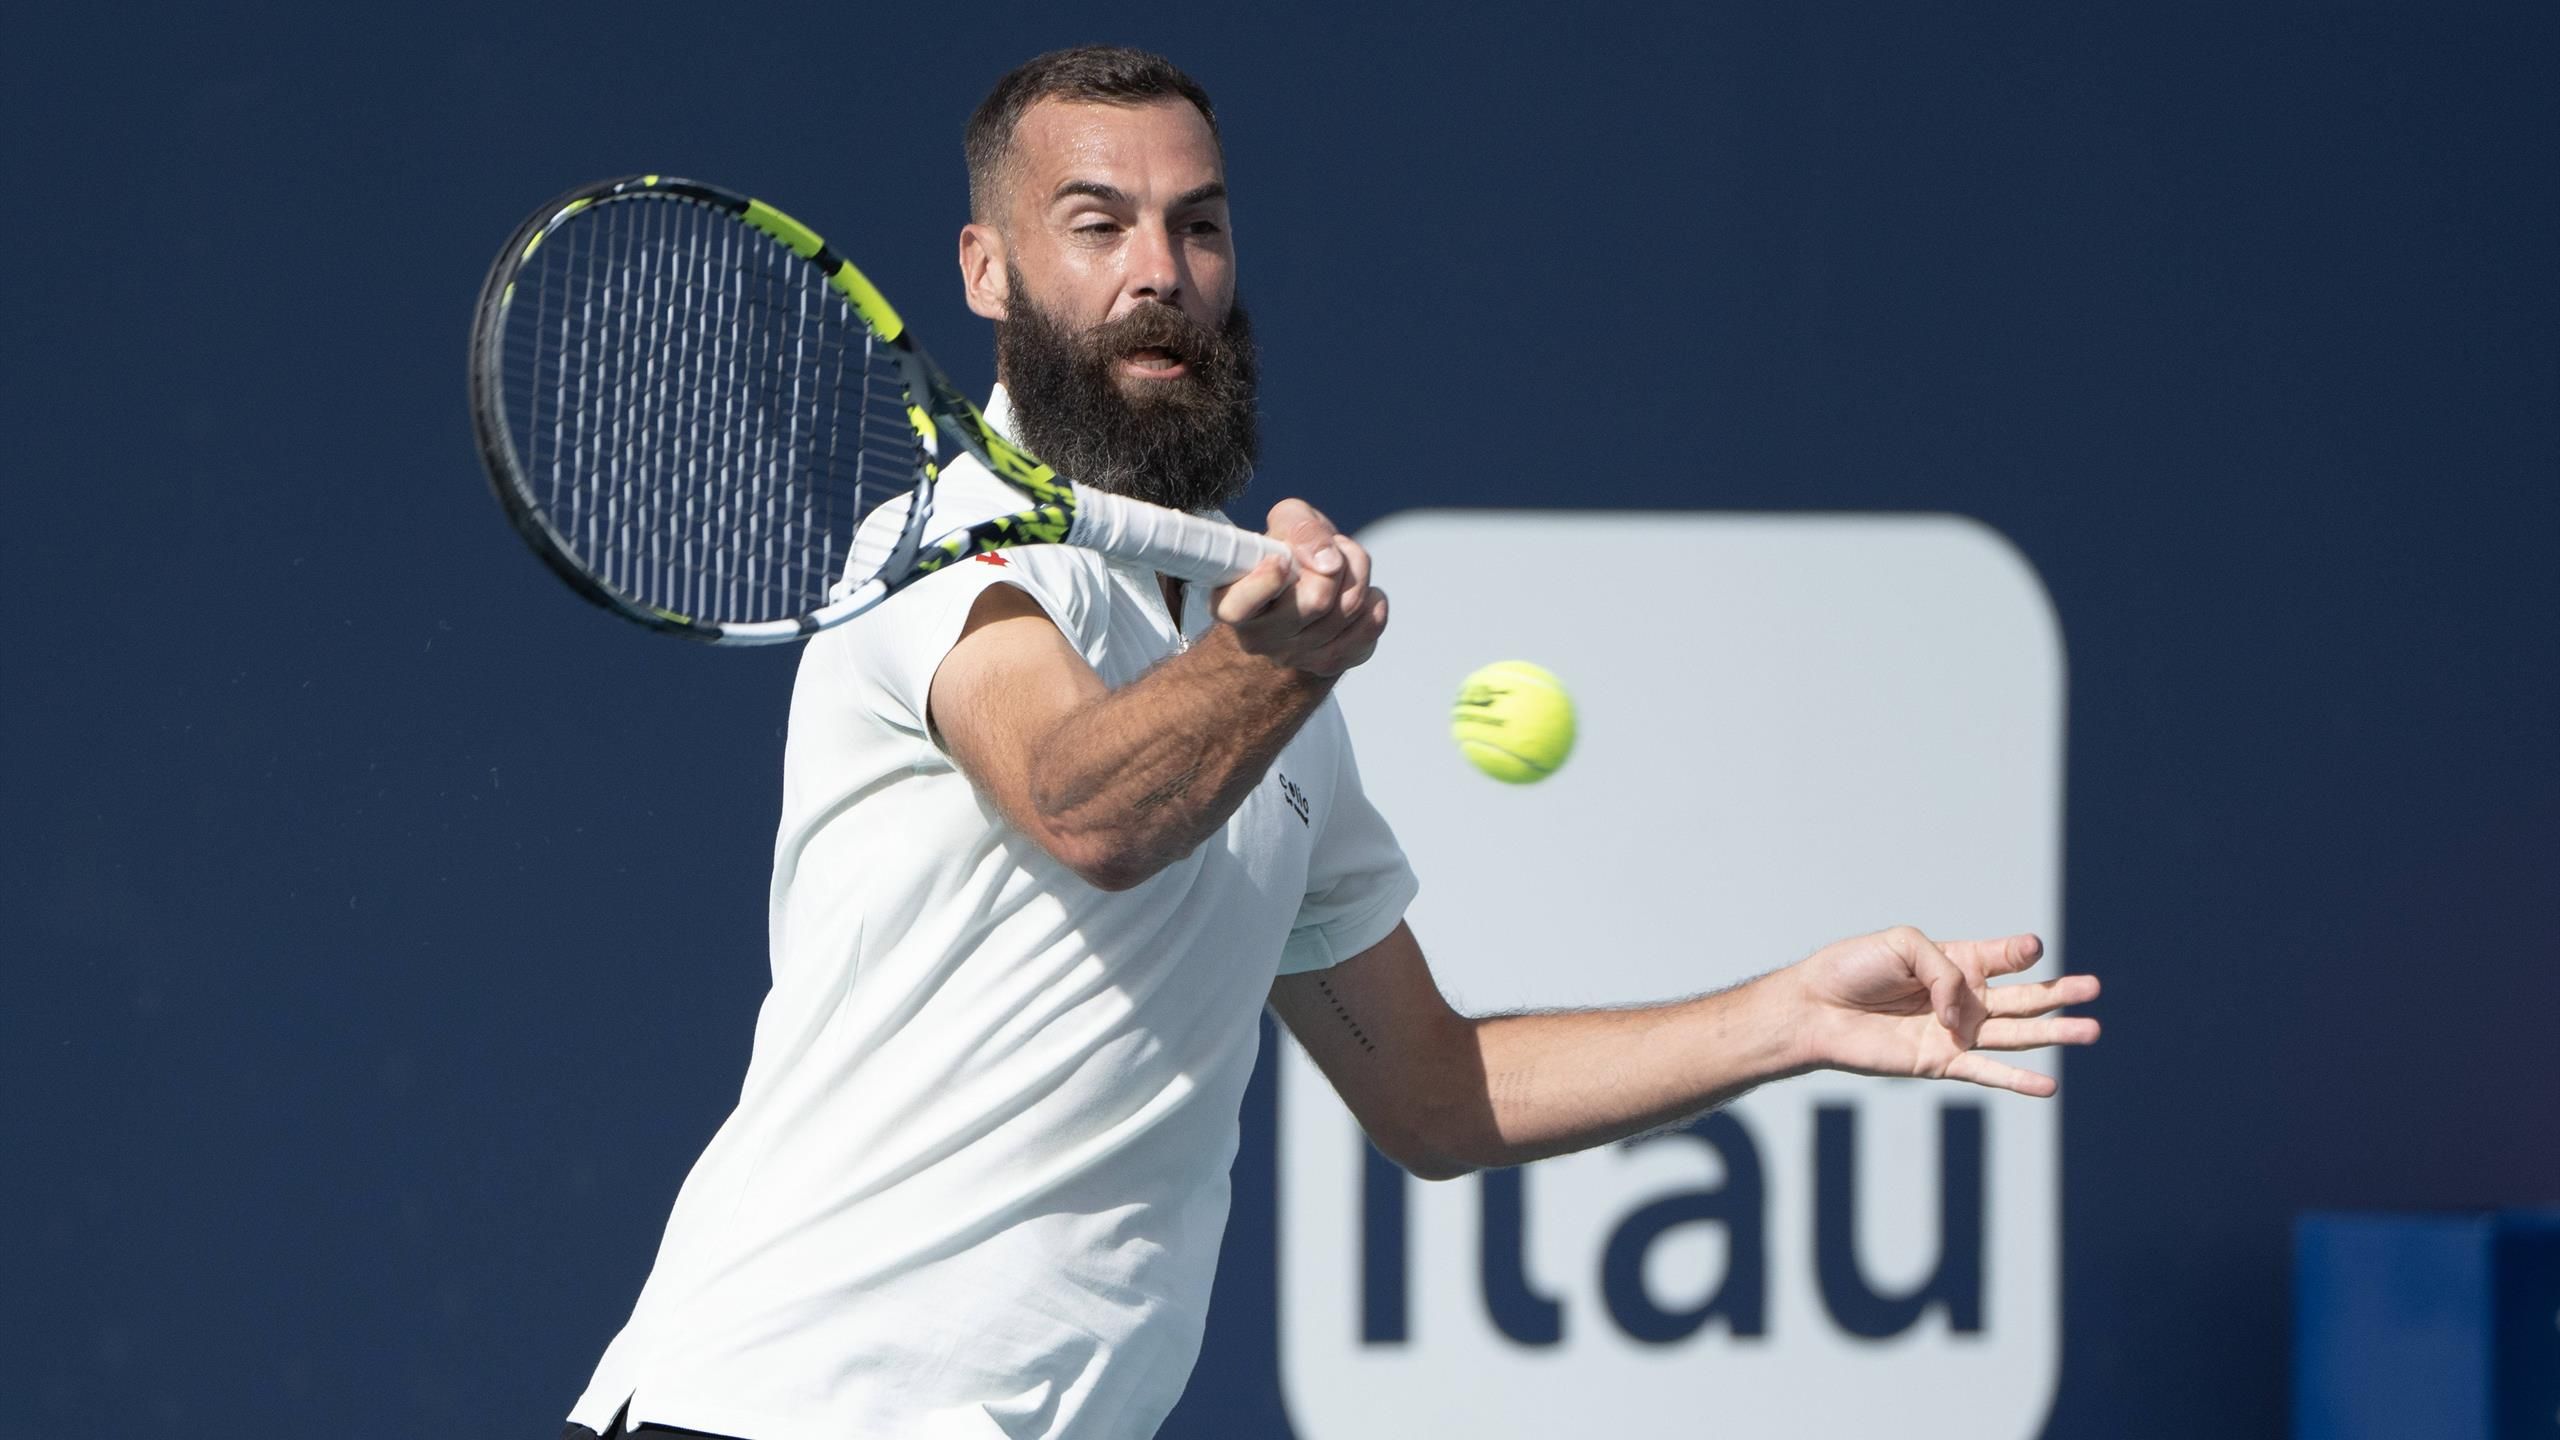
(707, 421)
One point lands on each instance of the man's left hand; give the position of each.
(1898, 1003)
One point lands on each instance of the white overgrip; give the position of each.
(1211, 552)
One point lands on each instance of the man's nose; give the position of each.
(1153, 272)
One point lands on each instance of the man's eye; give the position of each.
(1204, 227)
(1096, 227)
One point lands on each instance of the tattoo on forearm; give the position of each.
(1343, 1012)
(1174, 788)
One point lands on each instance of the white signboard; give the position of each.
(1793, 728)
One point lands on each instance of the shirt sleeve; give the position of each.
(1358, 881)
(891, 653)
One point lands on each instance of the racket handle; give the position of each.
(1211, 552)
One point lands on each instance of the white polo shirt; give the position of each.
(976, 1180)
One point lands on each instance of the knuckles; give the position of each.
(1291, 516)
(1317, 621)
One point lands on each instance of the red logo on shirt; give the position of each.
(991, 558)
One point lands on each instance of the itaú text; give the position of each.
(1737, 1204)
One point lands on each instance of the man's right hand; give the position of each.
(1325, 619)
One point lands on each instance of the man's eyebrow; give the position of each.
(1114, 195)
(1107, 194)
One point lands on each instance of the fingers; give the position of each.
(1345, 602)
(1977, 1069)
(2036, 1034)
(1328, 564)
(1324, 615)
(1332, 593)
(2022, 1021)
(1303, 528)
(1290, 516)
(1359, 639)
(2043, 995)
(1352, 598)
(1954, 979)
(1312, 599)
(1249, 596)
(1877, 985)
(1944, 981)
(2005, 956)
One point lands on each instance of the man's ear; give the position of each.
(982, 270)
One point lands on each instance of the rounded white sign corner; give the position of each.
(1831, 1255)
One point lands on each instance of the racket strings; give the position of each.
(701, 419)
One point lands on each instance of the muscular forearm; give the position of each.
(1137, 778)
(1559, 1082)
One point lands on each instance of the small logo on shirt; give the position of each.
(1297, 798)
(989, 557)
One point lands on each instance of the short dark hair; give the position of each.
(1096, 74)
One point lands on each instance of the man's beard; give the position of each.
(1188, 442)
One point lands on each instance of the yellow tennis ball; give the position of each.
(1514, 721)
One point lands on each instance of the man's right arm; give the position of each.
(1118, 784)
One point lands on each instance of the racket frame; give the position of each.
(943, 418)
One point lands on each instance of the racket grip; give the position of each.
(1211, 552)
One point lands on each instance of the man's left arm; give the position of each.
(1444, 1094)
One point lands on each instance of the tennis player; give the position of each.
(1054, 830)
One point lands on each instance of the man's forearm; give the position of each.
(1443, 1093)
(1138, 778)
(1559, 1082)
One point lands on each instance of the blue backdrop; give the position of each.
(374, 975)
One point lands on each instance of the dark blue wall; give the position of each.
(384, 928)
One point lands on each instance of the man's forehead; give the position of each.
(1166, 142)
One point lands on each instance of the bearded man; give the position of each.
(1055, 829)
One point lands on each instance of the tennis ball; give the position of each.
(1514, 721)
